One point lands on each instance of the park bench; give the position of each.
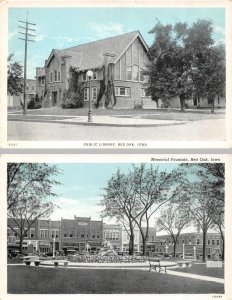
(29, 259)
(184, 264)
(158, 265)
(58, 262)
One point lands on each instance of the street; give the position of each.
(61, 125)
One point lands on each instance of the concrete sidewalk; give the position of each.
(115, 121)
(196, 276)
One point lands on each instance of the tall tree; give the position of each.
(173, 219)
(209, 187)
(138, 194)
(185, 63)
(204, 207)
(117, 202)
(29, 194)
(14, 76)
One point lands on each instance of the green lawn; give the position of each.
(40, 280)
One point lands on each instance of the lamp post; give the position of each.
(89, 74)
(166, 247)
(194, 251)
(53, 252)
(183, 252)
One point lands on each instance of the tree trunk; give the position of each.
(174, 248)
(212, 105)
(204, 232)
(21, 244)
(144, 240)
(182, 102)
(223, 241)
(131, 244)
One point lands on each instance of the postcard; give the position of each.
(116, 75)
(103, 226)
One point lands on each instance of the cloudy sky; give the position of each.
(58, 28)
(82, 187)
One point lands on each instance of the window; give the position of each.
(55, 76)
(208, 242)
(82, 235)
(15, 232)
(144, 93)
(98, 236)
(44, 233)
(94, 75)
(135, 73)
(84, 77)
(86, 94)
(129, 73)
(32, 233)
(42, 80)
(122, 91)
(212, 242)
(93, 236)
(51, 77)
(94, 93)
(65, 233)
(142, 77)
(198, 241)
(58, 76)
(217, 242)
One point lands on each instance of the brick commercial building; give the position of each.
(80, 234)
(187, 242)
(117, 64)
(67, 234)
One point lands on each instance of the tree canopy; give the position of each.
(185, 62)
(29, 193)
(14, 76)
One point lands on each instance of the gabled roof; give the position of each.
(90, 55)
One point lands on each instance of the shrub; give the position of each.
(106, 259)
(72, 99)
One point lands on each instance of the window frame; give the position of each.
(51, 77)
(118, 88)
(93, 90)
(86, 93)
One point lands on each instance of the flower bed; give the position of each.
(106, 259)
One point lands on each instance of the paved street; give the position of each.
(71, 125)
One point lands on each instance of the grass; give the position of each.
(157, 114)
(201, 269)
(40, 280)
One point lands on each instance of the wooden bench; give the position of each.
(154, 264)
(157, 264)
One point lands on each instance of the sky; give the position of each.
(82, 187)
(59, 28)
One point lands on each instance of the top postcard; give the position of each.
(106, 75)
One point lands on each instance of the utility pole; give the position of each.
(27, 33)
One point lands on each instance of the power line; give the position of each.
(27, 33)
